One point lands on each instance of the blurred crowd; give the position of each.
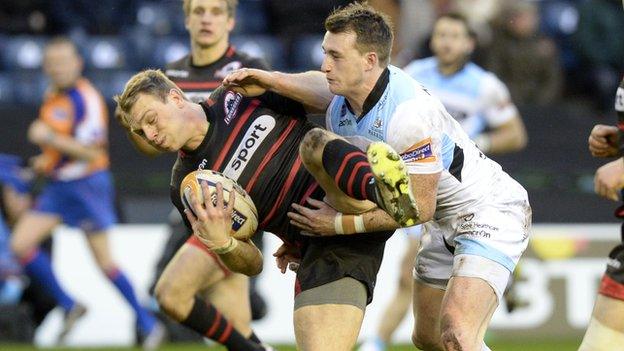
(543, 50)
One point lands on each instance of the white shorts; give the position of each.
(484, 243)
(413, 232)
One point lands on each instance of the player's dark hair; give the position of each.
(455, 16)
(372, 28)
(231, 7)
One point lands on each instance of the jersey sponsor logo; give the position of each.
(376, 129)
(225, 70)
(619, 100)
(248, 146)
(230, 106)
(176, 73)
(419, 152)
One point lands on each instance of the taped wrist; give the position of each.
(349, 224)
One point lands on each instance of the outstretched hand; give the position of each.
(211, 222)
(609, 180)
(248, 81)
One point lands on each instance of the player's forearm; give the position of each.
(505, 139)
(70, 147)
(309, 88)
(245, 259)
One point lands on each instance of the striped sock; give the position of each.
(209, 322)
(350, 169)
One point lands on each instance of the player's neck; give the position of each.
(203, 56)
(197, 122)
(358, 96)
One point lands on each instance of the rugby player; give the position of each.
(259, 148)
(72, 132)
(481, 103)
(606, 328)
(477, 218)
(209, 23)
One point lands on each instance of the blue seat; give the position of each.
(168, 49)
(156, 18)
(251, 18)
(307, 52)
(105, 52)
(6, 88)
(262, 46)
(23, 52)
(108, 82)
(29, 86)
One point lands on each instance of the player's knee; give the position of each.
(453, 336)
(426, 342)
(168, 296)
(312, 144)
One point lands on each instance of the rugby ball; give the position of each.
(244, 216)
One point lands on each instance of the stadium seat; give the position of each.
(266, 47)
(6, 88)
(23, 52)
(155, 17)
(109, 83)
(168, 49)
(251, 18)
(559, 20)
(105, 52)
(28, 86)
(307, 52)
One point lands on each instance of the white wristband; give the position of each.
(338, 223)
(359, 224)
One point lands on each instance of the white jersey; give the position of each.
(416, 125)
(476, 98)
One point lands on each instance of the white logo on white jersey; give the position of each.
(254, 136)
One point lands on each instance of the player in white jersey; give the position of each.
(481, 103)
(480, 217)
(476, 98)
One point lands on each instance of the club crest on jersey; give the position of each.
(225, 70)
(419, 152)
(230, 105)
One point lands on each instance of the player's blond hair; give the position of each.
(231, 7)
(372, 28)
(152, 82)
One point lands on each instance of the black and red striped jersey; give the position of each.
(259, 148)
(619, 108)
(199, 81)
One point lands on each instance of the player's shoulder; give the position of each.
(247, 60)
(179, 68)
(402, 87)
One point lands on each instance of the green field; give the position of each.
(496, 346)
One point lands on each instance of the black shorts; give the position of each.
(612, 283)
(327, 259)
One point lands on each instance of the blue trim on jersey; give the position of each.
(473, 247)
(79, 107)
(448, 148)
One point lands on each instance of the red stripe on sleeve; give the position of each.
(241, 122)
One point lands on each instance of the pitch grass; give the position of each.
(495, 346)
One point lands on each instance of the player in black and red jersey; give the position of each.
(259, 148)
(209, 23)
(605, 330)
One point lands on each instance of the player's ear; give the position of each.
(176, 97)
(231, 22)
(371, 60)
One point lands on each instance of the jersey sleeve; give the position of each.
(415, 132)
(499, 109)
